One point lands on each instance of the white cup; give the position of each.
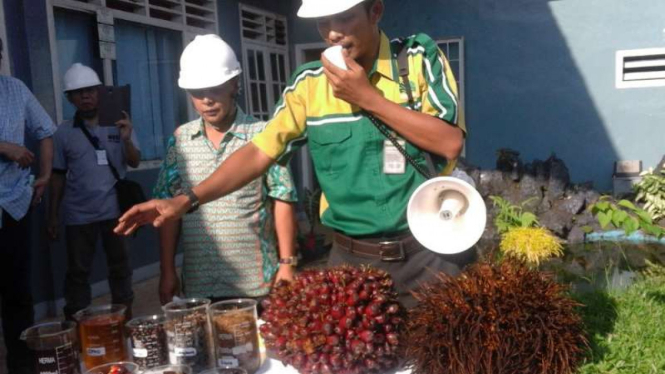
(334, 55)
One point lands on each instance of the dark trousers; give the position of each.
(15, 290)
(419, 266)
(81, 244)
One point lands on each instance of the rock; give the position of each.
(541, 170)
(573, 204)
(508, 161)
(576, 235)
(472, 170)
(598, 261)
(586, 189)
(636, 258)
(557, 221)
(491, 182)
(530, 187)
(559, 178)
(545, 205)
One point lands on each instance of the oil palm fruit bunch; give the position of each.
(494, 319)
(342, 320)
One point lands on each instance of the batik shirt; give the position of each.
(229, 244)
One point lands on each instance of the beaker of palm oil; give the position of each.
(102, 334)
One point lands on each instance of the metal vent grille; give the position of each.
(640, 68)
(263, 27)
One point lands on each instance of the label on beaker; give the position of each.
(140, 352)
(60, 360)
(96, 351)
(185, 352)
(228, 361)
(242, 349)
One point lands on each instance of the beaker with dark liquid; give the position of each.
(102, 334)
(54, 347)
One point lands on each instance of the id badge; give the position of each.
(101, 157)
(393, 161)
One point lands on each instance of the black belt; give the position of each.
(383, 249)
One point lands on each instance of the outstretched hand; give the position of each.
(350, 85)
(155, 212)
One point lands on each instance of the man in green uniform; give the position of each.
(366, 184)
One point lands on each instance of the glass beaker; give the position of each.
(236, 334)
(169, 369)
(120, 367)
(188, 333)
(55, 347)
(147, 337)
(225, 370)
(102, 334)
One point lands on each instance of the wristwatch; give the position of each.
(292, 260)
(193, 199)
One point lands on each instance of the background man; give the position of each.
(20, 112)
(229, 245)
(82, 174)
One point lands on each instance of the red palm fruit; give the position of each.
(333, 321)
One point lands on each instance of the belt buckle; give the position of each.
(392, 257)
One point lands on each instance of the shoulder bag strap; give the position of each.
(403, 67)
(95, 142)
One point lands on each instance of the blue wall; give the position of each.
(540, 77)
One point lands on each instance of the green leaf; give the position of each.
(528, 219)
(650, 229)
(644, 216)
(630, 225)
(618, 217)
(627, 204)
(587, 229)
(604, 218)
(602, 205)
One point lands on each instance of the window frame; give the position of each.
(266, 48)
(5, 68)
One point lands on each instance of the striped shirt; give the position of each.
(20, 112)
(347, 149)
(229, 244)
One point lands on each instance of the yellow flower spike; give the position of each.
(530, 244)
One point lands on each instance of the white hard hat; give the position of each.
(207, 62)
(80, 76)
(324, 8)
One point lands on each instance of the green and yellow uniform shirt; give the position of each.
(347, 149)
(229, 245)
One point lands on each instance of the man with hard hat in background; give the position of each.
(366, 184)
(20, 113)
(86, 152)
(230, 244)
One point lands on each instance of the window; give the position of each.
(640, 68)
(454, 50)
(145, 39)
(265, 59)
